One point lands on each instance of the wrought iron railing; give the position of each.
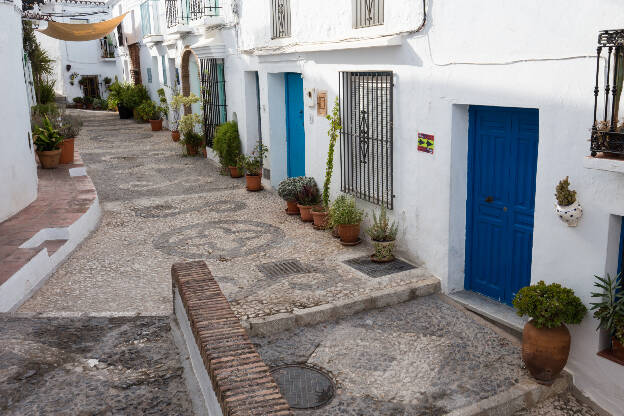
(107, 47)
(366, 156)
(213, 96)
(368, 13)
(280, 18)
(185, 11)
(607, 135)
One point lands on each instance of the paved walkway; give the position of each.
(161, 207)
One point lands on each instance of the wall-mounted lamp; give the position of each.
(68, 67)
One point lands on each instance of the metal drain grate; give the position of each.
(372, 269)
(304, 387)
(284, 268)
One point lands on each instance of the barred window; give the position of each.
(280, 18)
(368, 13)
(366, 158)
(213, 96)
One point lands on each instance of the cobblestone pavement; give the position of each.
(424, 357)
(563, 405)
(90, 366)
(160, 207)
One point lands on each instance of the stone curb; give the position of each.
(311, 316)
(524, 395)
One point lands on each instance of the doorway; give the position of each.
(295, 128)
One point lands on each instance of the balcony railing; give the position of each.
(107, 46)
(150, 24)
(185, 11)
(607, 132)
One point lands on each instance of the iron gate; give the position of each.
(213, 96)
(366, 157)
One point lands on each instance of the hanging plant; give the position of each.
(82, 81)
(567, 208)
(73, 77)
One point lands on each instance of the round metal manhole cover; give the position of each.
(304, 387)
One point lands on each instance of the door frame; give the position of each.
(287, 115)
(471, 156)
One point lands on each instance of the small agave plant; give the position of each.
(383, 234)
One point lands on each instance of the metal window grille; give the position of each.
(107, 47)
(146, 24)
(280, 18)
(607, 135)
(368, 13)
(120, 37)
(184, 11)
(213, 96)
(366, 157)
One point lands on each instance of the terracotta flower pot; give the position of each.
(203, 151)
(191, 150)
(235, 172)
(306, 212)
(49, 159)
(545, 351)
(67, 151)
(156, 125)
(321, 219)
(292, 208)
(254, 182)
(349, 233)
(175, 136)
(383, 251)
(617, 349)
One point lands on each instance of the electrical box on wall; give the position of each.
(309, 97)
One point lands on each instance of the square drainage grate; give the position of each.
(372, 269)
(284, 268)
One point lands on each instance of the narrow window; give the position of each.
(149, 75)
(367, 13)
(366, 157)
(164, 70)
(280, 18)
(146, 24)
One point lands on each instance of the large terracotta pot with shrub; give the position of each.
(308, 198)
(175, 136)
(383, 234)
(320, 217)
(156, 125)
(306, 212)
(346, 217)
(287, 190)
(191, 149)
(253, 182)
(292, 208)
(47, 140)
(609, 310)
(67, 151)
(235, 172)
(545, 338)
(349, 233)
(252, 165)
(49, 159)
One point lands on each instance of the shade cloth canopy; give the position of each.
(81, 31)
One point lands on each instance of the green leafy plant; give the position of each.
(128, 95)
(46, 137)
(162, 97)
(289, 187)
(344, 211)
(308, 194)
(68, 126)
(549, 306)
(107, 80)
(564, 195)
(87, 100)
(192, 139)
(44, 91)
(43, 110)
(334, 131)
(382, 229)
(188, 122)
(609, 310)
(252, 164)
(148, 111)
(619, 330)
(72, 77)
(78, 100)
(100, 104)
(227, 143)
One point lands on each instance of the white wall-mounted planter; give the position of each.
(570, 214)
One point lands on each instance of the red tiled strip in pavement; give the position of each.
(240, 379)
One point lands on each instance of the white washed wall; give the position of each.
(18, 186)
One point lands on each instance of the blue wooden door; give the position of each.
(295, 130)
(502, 165)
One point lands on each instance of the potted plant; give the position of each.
(308, 197)
(73, 77)
(320, 213)
(252, 164)
(164, 106)
(568, 209)
(227, 145)
(287, 190)
(78, 101)
(383, 234)
(48, 141)
(190, 138)
(177, 102)
(88, 101)
(149, 111)
(610, 311)
(68, 127)
(545, 338)
(129, 97)
(107, 81)
(346, 217)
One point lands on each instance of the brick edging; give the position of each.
(240, 379)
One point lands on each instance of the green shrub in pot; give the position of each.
(609, 310)
(227, 144)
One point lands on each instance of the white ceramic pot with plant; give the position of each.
(568, 208)
(383, 235)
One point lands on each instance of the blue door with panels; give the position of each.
(295, 129)
(502, 166)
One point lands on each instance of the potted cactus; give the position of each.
(568, 208)
(609, 310)
(383, 234)
(287, 190)
(308, 197)
(545, 338)
(346, 217)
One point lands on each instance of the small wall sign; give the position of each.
(321, 103)
(426, 143)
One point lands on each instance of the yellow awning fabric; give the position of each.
(81, 31)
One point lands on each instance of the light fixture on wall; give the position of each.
(68, 67)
